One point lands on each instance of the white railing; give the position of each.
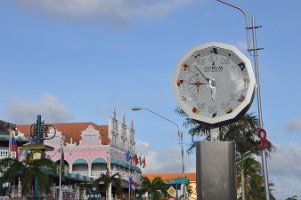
(96, 174)
(3, 153)
(83, 173)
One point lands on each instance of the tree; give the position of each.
(154, 188)
(244, 133)
(292, 198)
(257, 191)
(247, 169)
(27, 170)
(106, 180)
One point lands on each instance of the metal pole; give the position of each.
(180, 134)
(246, 18)
(183, 165)
(109, 168)
(38, 141)
(9, 142)
(255, 49)
(129, 181)
(60, 175)
(264, 162)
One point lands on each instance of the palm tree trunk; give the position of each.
(110, 191)
(242, 185)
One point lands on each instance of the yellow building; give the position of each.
(171, 178)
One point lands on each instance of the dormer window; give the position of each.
(90, 138)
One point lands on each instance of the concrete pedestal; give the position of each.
(215, 167)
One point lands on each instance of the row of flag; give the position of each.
(133, 158)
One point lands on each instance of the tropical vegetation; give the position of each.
(244, 133)
(292, 198)
(107, 181)
(156, 189)
(28, 170)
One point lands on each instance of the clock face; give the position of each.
(214, 83)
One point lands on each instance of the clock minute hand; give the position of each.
(206, 77)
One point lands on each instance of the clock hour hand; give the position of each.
(212, 86)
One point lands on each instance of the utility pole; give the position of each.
(258, 94)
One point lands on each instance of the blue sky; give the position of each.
(74, 61)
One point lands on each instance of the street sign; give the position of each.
(171, 191)
(179, 181)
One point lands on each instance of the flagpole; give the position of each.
(129, 181)
(109, 168)
(60, 175)
(9, 143)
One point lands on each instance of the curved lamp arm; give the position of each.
(246, 17)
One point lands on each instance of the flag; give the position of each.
(144, 162)
(140, 160)
(14, 146)
(136, 160)
(127, 156)
(108, 168)
(132, 184)
(133, 158)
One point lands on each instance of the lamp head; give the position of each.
(136, 108)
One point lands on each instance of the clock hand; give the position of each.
(212, 86)
(206, 77)
(211, 82)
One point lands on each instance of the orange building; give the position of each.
(170, 178)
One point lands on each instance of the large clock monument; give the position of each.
(214, 84)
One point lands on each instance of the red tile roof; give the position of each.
(191, 176)
(73, 130)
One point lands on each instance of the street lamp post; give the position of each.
(180, 134)
(255, 55)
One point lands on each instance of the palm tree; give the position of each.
(107, 181)
(154, 188)
(292, 198)
(247, 168)
(257, 191)
(28, 170)
(244, 133)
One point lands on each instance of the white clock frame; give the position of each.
(243, 106)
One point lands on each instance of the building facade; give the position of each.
(88, 147)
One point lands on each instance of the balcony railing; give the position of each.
(83, 173)
(96, 174)
(3, 153)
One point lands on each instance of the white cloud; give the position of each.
(22, 111)
(294, 126)
(286, 161)
(285, 170)
(164, 160)
(123, 9)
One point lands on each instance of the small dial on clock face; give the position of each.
(213, 82)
